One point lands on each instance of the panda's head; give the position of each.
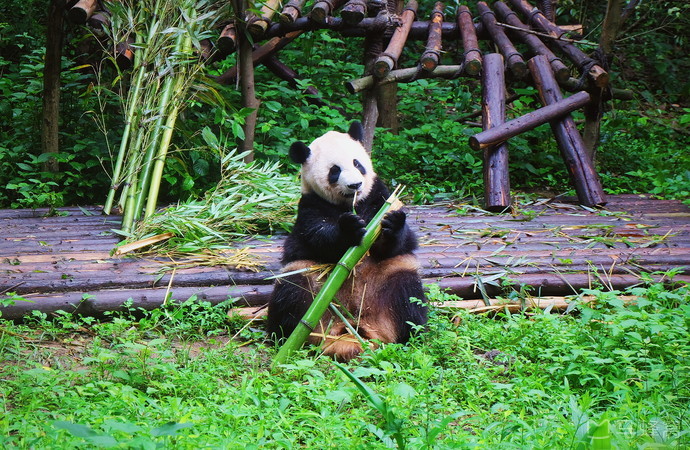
(336, 166)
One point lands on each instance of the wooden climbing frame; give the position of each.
(520, 42)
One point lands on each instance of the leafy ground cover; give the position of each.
(187, 376)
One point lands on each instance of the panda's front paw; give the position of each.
(392, 223)
(351, 228)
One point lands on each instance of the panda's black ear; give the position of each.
(299, 152)
(356, 131)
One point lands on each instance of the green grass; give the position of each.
(185, 376)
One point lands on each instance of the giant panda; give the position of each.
(336, 171)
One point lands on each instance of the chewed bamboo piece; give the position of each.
(336, 278)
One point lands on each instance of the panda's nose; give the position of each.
(355, 186)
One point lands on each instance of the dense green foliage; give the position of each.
(511, 381)
(642, 148)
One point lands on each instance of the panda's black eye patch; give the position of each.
(334, 174)
(359, 167)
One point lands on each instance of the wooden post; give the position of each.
(573, 151)
(227, 42)
(81, 11)
(50, 141)
(548, 7)
(473, 56)
(292, 11)
(534, 43)
(387, 61)
(373, 46)
(124, 53)
(259, 55)
(594, 111)
(432, 54)
(324, 8)
(401, 75)
(246, 76)
(513, 58)
(257, 26)
(496, 180)
(529, 121)
(354, 12)
(597, 73)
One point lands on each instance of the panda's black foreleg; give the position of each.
(396, 237)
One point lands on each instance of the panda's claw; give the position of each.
(352, 227)
(393, 222)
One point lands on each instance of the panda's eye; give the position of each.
(333, 174)
(359, 166)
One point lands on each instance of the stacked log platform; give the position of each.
(546, 248)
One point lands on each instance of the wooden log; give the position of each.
(573, 151)
(369, 25)
(529, 121)
(586, 64)
(82, 11)
(99, 22)
(389, 58)
(548, 8)
(534, 43)
(227, 42)
(124, 53)
(496, 181)
(513, 58)
(574, 85)
(432, 53)
(403, 75)
(284, 72)
(549, 284)
(259, 55)
(556, 304)
(257, 26)
(323, 9)
(247, 87)
(97, 302)
(292, 11)
(354, 12)
(473, 56)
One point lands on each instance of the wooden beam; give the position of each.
(496, 181)
(529, 121)
(573, 150)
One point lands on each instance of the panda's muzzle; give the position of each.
(355, 187)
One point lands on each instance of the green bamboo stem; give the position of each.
(140, 58)
(135, 91)
(159, 163)
(337, 277)
(145, 178)
(131, 183)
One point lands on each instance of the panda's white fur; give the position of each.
(341, 150)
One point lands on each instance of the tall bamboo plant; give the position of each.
(161, 83)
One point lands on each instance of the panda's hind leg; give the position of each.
(292, 295)
(390, 313)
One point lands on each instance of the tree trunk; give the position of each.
(51, 84)
(387, 97)
(245, 67)
(593, 111)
